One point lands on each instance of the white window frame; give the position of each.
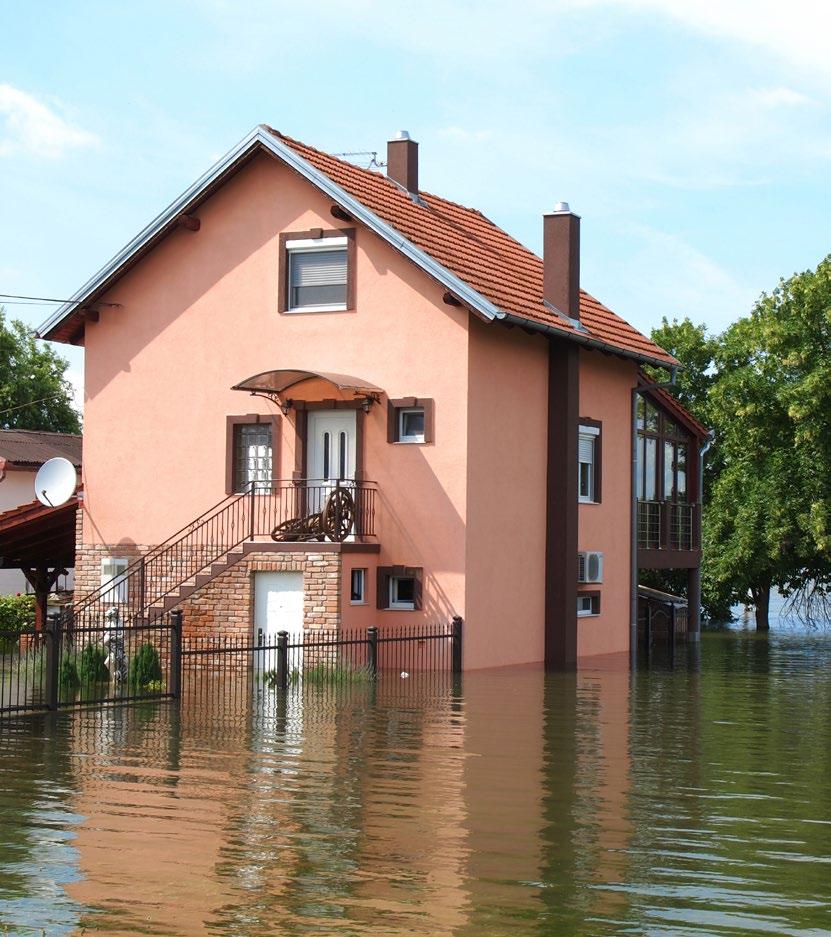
(362, 600)
(310, 246)
(395, 603)
(582, 612)
(416, 438)
(593, 432)
(117, 593)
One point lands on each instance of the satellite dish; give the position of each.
(55, 482)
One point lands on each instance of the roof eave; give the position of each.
(262, 137)
(588, 341)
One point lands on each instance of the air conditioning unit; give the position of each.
(589, 566)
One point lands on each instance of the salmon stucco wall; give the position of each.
(199, 314)
(507, 465)
(605, 395)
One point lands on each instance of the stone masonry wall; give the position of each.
(225, 606)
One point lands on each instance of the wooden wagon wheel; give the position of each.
(338, 515)
(298, 529)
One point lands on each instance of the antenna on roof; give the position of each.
(373, 154)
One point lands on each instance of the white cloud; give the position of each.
(795, 32)
(29, 126)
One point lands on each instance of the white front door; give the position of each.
(331, 454)
(331, 436)
(278, 606)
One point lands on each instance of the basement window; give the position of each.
(588, 603)
(402, 593)
(399, 588)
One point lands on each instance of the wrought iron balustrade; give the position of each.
(285, 508)
(667, 525)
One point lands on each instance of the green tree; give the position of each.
(34, 390)
(768, 519)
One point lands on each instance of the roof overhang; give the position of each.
(278, 381)
(35, 536)
(260, 139)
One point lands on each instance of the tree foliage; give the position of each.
(34, 390)
(764, 386)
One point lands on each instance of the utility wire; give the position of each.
(31, 403)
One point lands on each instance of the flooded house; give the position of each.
(319, 397)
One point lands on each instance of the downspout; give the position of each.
(633, 515)
(694, 600)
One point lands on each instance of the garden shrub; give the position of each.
(68, 675)
(145, 667)
(93, 665)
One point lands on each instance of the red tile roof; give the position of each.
(34, 534)
(477, 251)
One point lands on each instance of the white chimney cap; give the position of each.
(401, 135)
(562, 208)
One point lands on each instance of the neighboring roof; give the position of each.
(656, 595)
(678, 410)
(35, 535)
(280, 380)
(479, 263)
(31, 448)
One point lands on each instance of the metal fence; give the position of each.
(109, 662)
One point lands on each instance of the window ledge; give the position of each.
(297, 310)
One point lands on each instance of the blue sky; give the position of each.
(692, 137)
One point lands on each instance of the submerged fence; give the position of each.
(97, 663)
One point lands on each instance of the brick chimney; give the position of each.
(402, 161)
(561, 259)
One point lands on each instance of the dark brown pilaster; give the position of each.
(561, 506)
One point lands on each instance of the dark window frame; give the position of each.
(594, 595)
(675, 436)
(597, 494)
(394, 408)
(383, 576)
(231, 422)
(315, 234)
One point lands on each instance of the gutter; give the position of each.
(587, 341)
(633, 515)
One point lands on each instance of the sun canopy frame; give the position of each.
(274, 384)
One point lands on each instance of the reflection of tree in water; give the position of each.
(300, 843)
(35, 809)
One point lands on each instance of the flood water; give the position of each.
(694, 801)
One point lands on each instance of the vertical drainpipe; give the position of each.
(694, 575)
(633, 524)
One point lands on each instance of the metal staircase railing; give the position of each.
(139, 592)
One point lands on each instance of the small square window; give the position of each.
(411, 424)
(402, 592)
(113, 569)
(318, 274)
(588, 603)
(357, 594)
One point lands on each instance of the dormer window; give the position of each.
(317, 274)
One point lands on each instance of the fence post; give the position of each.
(176, 654)
(672, 621)
(372, 650)
(456, 641)
(53, 640)
(282, 659)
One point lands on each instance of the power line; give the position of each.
(31, 403)
(46, 300)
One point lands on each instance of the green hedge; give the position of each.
(17, 612)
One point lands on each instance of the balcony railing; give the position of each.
(667, 525)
